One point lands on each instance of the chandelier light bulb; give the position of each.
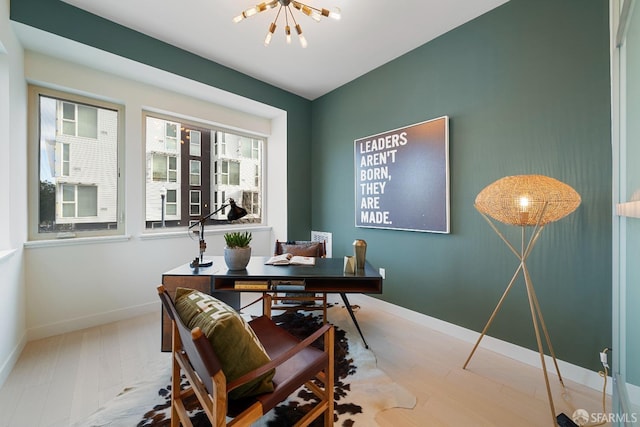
(310, 12)
(287, 31)
(303, 41)
(251, 11)
(333, 14)
(272, 29)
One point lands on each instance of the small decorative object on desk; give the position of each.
(237, 253)
(360, 253)
(349, 265)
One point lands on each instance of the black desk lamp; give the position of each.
(236, 212)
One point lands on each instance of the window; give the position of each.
(79, 201)
(171, 136)
(251, 202)
(165, 168)
(249, 148)
(195, 138)
(172, 202)
(75, 153)
(229, 173)
(221, 144)
(194, 175)
(78, 120)
(66, 154)
(194, 203)
(220, 164)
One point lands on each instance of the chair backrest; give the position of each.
(302, 248)
(200, 353)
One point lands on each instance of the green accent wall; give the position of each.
(67, 21)
(527, 90)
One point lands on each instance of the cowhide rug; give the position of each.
(361, 389)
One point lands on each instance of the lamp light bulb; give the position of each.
(524, 210)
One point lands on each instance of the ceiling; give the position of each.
(366, 37)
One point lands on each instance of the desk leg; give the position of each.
(353, 317)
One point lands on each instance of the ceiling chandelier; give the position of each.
(315, 13)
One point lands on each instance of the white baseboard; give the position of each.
(569, 371)
(11, 361)
(91, 321)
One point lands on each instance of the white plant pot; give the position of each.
(237, 258)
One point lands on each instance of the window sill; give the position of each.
(75, 241)
(6, 254)
(208, 231)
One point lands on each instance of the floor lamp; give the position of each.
(526, 201)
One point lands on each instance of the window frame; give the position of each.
(33, 162)
(195, 178)
(195, 149)
(217, 144)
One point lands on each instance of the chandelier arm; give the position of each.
(278, 14)
(292, 15)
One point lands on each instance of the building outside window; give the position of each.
(205, 168)
(75, 149)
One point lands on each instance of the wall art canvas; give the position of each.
(402, 178)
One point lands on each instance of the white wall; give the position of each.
(12, 194)
(73, 284)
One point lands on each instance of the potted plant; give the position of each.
(237, 253)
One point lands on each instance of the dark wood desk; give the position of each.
(327, 276)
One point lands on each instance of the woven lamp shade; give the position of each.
(520, 200)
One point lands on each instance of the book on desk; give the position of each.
(259, 285)
(270, 285)
(288, 259)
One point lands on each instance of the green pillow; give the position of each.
(233, 340)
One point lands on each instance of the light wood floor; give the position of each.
(63, 379)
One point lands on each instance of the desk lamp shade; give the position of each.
(527, 200)
(236, 212)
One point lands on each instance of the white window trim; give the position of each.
(33, 145)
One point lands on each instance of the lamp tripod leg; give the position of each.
(544, 328)
(493, 315)
(535, 314)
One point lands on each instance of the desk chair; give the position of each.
(291, 301)
(296, 363)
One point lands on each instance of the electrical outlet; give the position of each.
(382, 272)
